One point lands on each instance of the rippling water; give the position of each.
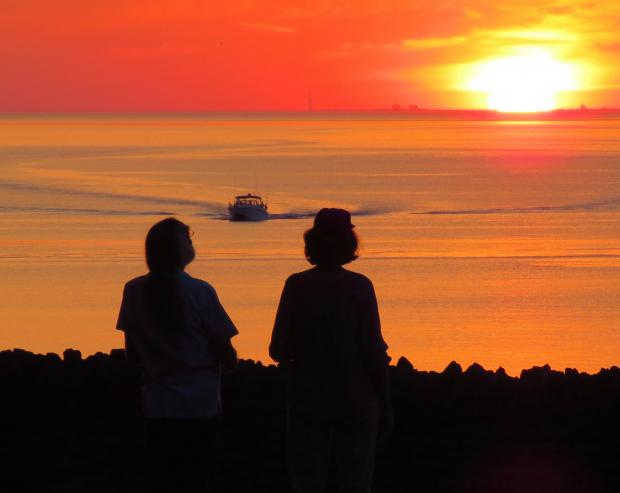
(487, 241)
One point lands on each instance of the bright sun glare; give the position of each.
(523, 83)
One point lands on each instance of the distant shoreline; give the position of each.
(413, 114)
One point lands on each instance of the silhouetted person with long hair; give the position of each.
(327, 328)
(179, 334)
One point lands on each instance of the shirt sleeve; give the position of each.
(217, 321)
(280, 348)
(122, 322)
(374, 347)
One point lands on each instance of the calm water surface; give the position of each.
(495, 242)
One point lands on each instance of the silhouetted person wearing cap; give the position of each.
(327, 328)
(179, 334)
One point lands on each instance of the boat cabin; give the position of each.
(249, 199)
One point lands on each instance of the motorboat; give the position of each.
(248, 208)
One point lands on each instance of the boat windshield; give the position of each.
(249, 202)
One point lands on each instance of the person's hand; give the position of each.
(224, 353)
(386, 424)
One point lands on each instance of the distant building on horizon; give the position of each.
(411, 107)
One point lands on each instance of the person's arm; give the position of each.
(280, 348)
(131, 353)
(221, 330)
(224, 352)
(124, 324)
(377, 361)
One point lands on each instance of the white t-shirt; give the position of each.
(181, 378)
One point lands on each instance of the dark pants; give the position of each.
(180, 455)
(351, 443)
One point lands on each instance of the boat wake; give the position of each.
(311, 214)
(280, 216)
(107, 199)
(602, 205)
(292, 215)
(81, 212)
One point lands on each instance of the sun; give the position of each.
(528, 82)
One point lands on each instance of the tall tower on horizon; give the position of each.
(310, 100)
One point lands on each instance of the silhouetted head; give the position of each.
(168, 246)
(331, 241)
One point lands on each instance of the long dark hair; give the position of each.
(168, 250)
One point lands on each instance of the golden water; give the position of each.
(496, 242)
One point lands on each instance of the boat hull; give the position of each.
(248, 214)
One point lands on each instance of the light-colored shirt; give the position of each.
(181, 377)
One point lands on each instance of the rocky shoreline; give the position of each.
(73, 424)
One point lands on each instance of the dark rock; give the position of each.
(404, 366)
(476, 370)
(453, 370)
(79, 425)
(72, 356)
(571, 372)
(53, 358)
(118, 354)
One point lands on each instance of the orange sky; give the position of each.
(190, 55)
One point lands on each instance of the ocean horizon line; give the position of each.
(482, 113)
